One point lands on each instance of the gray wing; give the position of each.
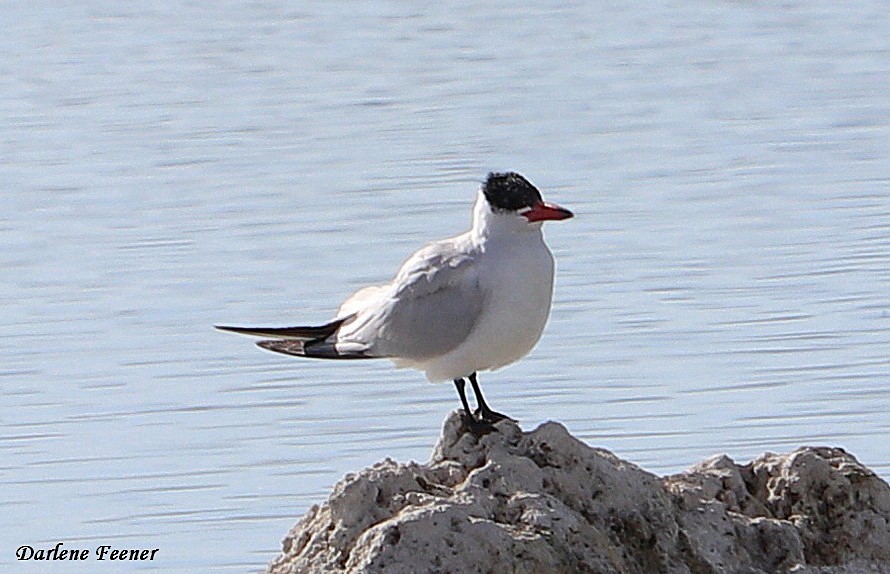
(432, 306)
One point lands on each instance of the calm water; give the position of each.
(724, 287)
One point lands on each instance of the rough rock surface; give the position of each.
(544, 502)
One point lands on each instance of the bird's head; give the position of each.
(509, 195)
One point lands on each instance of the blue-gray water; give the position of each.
(725, 286)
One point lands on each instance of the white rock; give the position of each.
(544, 502)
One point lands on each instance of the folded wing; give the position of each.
(430, 308)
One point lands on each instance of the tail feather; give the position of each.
(301, 341)
(317, 333)
(318, 349)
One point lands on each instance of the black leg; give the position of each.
(460, 384)
(475, 426)
(483, 412)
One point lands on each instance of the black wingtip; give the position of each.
(231, 329)
(317, 350)
(307, 333)
(286, 347)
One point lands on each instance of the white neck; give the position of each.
(488, 224)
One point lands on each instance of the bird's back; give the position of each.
(428, 309)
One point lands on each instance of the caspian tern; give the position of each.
(474, 302)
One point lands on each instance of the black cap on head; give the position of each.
(509, 191)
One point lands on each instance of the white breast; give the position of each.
(517, 277)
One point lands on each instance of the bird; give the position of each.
(474, 302)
